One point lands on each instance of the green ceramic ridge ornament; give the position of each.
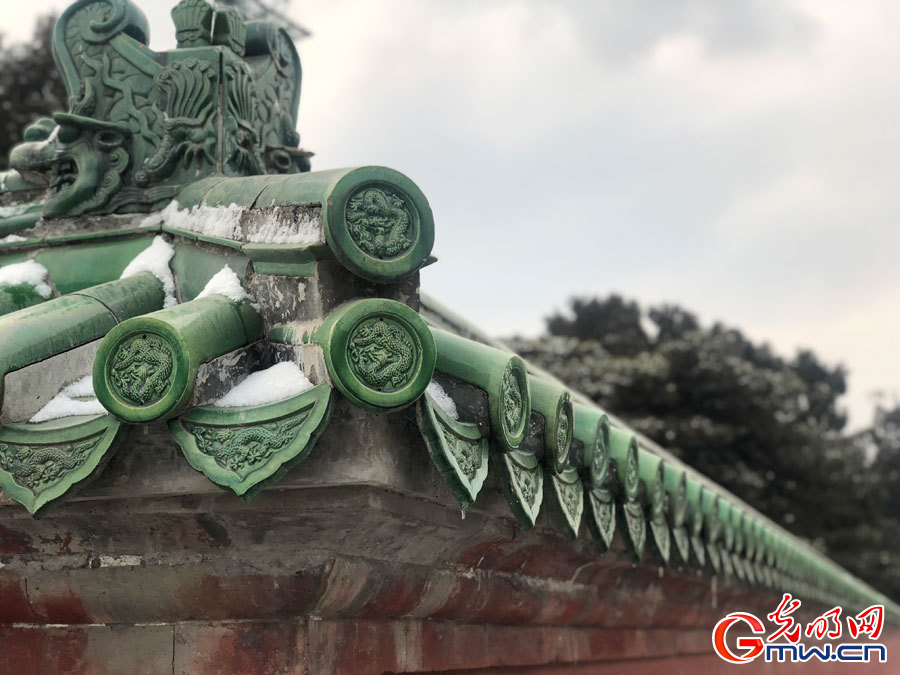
(592, 429)
(735, 516)
(601, 516)
(379, 353)
(458, 450)
(41, 331)
(712, 527)
(522, 481)
(146, 367)
(693, 491)
(633, 525)
(378, 223)
(752, 540)
(500, 374)
(651, 475)
(248, 448)
(676, 487)
(140, 124)
(42, 463)
(727, 527)
(565, 493)
(623, 450)
(554, 404)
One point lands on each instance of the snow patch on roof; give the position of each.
(224, 282)
(213, 221)
(14, 210)
(76, 399)
(155, 259)
(277, 383)
(11, 239)
(281, 226)
(28, 273)
(278, 225)
(442, 398)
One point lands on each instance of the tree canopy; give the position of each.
(30, 85)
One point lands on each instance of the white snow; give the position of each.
(14, 210)
(277, 383)
(29, 272)
(280, 227)
(277, 226)
(442, 398)
(155, 259)
(11, 239)
(214, 221)
(66, 403)
(225, 282)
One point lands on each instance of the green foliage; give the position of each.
(30, 86)
(767, 428)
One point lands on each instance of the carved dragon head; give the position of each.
(141, 124)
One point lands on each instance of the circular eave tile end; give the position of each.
(378, 224)
(141, 371)
(559, 433)
(512, 411)
(380, 354)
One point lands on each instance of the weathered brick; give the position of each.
(247, 648)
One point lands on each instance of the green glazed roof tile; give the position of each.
(247, 448)
(41, 464)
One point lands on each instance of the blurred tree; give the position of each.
(30, 86)
(883, 556)
(767, 428)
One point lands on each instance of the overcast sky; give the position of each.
(739, 158)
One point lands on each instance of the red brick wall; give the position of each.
(357, 647)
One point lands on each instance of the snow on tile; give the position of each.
(213, 221)
(277, 225)
(155, 259)
(281, 226)
(11, 239)
(225, 282)
(277, 383)
(28, 273)
(76, 399)
(442, 398)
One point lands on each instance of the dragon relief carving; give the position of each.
(513, 399)
(525, 481)
(635, 525)
(241, 449)
(658, 503)
(378, 221)
(571, 498)
(603, 508)
(190, 97)
(382, 354)
(631, 471)
(562, 435)
(467, 453)
(142, 368)
(241, 136)
(599, 458)
(36, 467)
